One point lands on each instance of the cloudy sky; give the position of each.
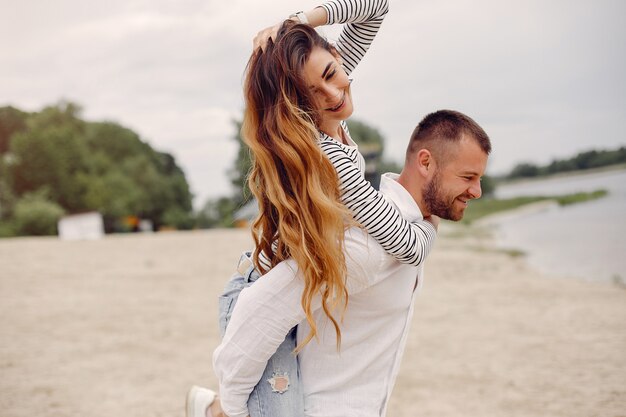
(546, 79)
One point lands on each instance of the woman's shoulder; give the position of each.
(333, 146)
(332, 142)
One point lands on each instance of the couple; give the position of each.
(337, 264)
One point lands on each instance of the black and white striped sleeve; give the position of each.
(408, 242)
(363, 19)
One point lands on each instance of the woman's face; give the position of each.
(330, 86)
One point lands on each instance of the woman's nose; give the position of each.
(332, 92)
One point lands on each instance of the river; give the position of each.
(584, 240)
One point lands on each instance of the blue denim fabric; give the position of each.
(269, 398)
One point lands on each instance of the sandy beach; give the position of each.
(124, 325)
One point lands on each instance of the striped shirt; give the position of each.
(410, 243)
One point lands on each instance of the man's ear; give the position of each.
(424, 162)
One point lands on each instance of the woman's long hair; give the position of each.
(297, 188)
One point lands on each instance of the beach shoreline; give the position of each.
(124, 325)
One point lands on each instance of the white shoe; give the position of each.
(198, 400)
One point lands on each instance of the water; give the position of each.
(585, 240)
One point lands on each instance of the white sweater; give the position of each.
(358, 380)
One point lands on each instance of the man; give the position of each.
(445, 159)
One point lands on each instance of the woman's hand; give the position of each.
(263, 37)
(315, 17)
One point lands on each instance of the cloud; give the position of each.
(538, 76)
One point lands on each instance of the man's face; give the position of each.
(456, 181)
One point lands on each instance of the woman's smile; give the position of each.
(340, 105)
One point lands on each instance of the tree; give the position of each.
(113, 194)
(50, 156)
(12, 121)
(147, 183)
(524, 170)
(217, 212)
(371, 145)
(239, 172)
(557, 166)
(114, 141)
(583, 160)
(364, 134)
(88, 166)
(488, 186)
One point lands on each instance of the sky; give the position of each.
(545, 79)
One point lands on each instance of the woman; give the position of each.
(308, 179)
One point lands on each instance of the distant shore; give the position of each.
(567, 174)
(124, 325)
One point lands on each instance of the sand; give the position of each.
(124, 325)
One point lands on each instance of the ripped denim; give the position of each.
(279, 392)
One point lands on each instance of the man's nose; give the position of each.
(475, 190)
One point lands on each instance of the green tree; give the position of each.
(88, 166)
(488, 186)
(371, 145)
(52, 157)
(12, 121)
(524, 170)
(114, 194)
(7, 196)
(217, 212)
(178, 218)
(581, 161)
(557, 166)
(238, 174)
(114, 141)
(364, 134)
(175, 181)
(140, 180)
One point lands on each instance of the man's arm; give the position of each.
(264, 314)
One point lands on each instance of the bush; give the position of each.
(6, 229)
(178, 219)
(35, 215)
(488, 186)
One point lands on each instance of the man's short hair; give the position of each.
(443, 128)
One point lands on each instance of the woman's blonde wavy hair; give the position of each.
(296, 186)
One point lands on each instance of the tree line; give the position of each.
(53, 162)
(582, 161)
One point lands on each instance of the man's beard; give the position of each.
(437, 203)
